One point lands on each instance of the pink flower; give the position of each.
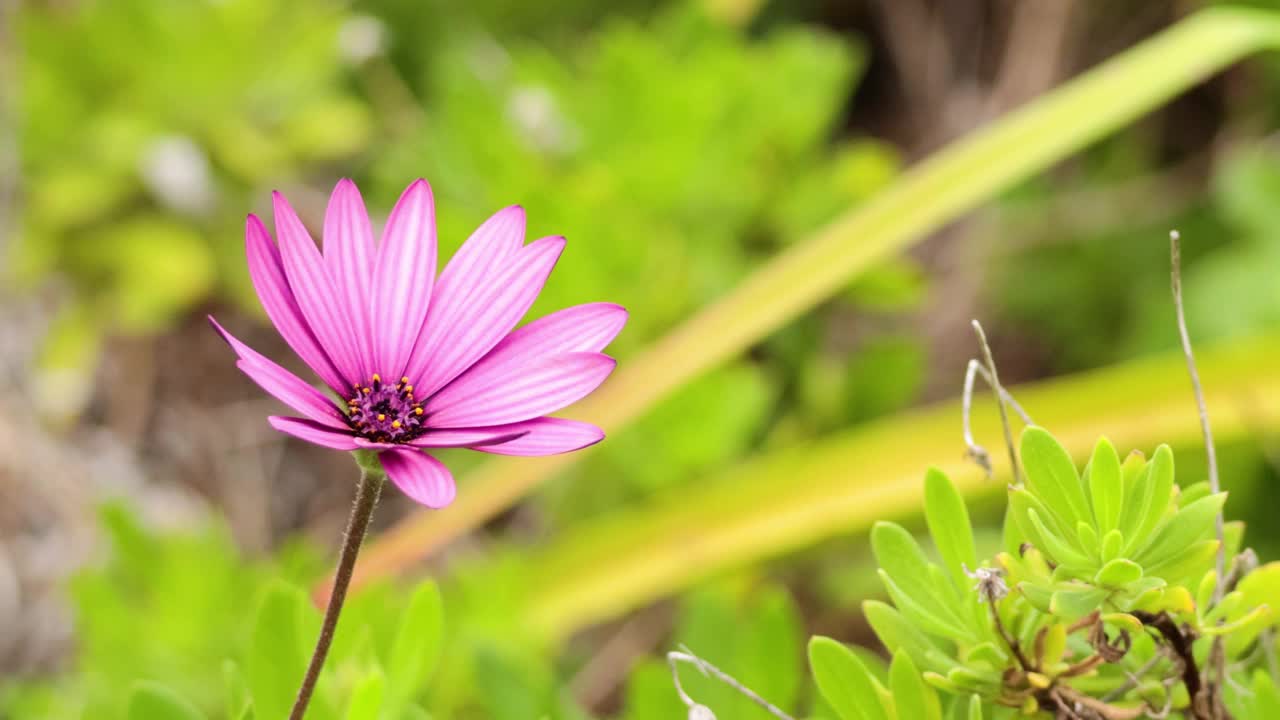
(422, 362)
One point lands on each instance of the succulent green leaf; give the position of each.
(912, 697)
(1106, 486)
(1040, 596)
(367, 696)
(1190, 562)
(895, 632)
(1055, 644)
(948, 519)
(1076, 602)
(1193, 493)
(1204, 591)
(844, 681)
(1250, 623)
(987, 653)
(971, 680)
(1154, 493)
(1052, 477)
(239, 702)
(922, 616)
(1265, 702)
(277, 658)
(152, 701)
(975, 708)
(1088, 539)
(902, 560)
(1118, 573)
(1112, 545)
(417, 645)
(1057, 548)
(1190, 525)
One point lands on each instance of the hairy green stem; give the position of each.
(367, 491)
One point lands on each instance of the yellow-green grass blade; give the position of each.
(957, 179)
(786, 500)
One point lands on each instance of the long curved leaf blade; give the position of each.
(749, 512)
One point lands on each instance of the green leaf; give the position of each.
(1057, 548)
(948, 519)
(366, 697)
(1055, 644)
(1191, 524)
(845, 683)
(152, 701)
(1153, 501)
(276, 659)
(1118, 573)
(1052, 477)
(921, 615)
(239, 702)
(417, 646)
(1074, 603)
(1106, 486)
(956, 180)
(1112, 544)
(912, 698)
(1192, 561)
(1088, 539)
(902, 560)
(1040, 596)
(895, 632)
(975, 707)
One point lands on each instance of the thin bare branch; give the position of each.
(973, 450)
(701, 711)
(1175, 253)
(1216, 665)
(993, 379)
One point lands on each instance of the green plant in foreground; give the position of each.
(1103, 604)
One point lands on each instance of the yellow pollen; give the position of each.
(404, 380)
(381, 417)
(417, 411)
(408, 389)
(377, 377)
(366, 391)
(395, 424)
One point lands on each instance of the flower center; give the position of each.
(386, 413)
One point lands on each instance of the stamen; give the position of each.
(384, 413)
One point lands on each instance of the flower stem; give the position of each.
(361, 511)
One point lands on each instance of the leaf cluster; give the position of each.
(1102, 604)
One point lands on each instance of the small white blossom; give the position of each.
(991, 585)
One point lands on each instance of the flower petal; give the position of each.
(490, 313)
(403, 278)
(473, 267)
(547, 436)
(267, 272)
(540, 388)
(313, 432)
(420, 476)
(282, 384)
(349, 253)
(317, 295)
(582, 328)
(467, 437)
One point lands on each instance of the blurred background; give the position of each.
(679, 145)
